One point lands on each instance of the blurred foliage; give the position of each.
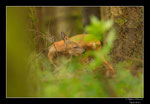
(72, 79)
(125, 84)
(18, 50)
(98, 28)
(31, 74)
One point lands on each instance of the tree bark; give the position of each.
(128, 22)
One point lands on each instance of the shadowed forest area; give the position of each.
(75, 51)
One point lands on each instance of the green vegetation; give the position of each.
(98, 29)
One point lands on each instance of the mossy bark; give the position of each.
(128, 22)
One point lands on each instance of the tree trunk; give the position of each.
(128, 22)
(40, 41)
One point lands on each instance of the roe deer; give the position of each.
(74, 46)
(64, 47)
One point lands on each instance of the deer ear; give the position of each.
(64, 37)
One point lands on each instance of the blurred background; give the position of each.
(31, 30)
